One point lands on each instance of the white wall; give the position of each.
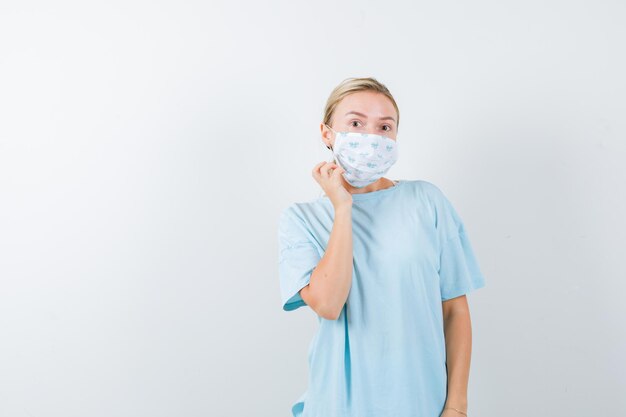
(146, 149)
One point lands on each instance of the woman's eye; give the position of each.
(389, 128)
(353, 123)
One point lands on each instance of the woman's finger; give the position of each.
(329, 166)
(316, 169)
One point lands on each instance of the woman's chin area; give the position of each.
(379, 184)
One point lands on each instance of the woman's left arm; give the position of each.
(458, 336)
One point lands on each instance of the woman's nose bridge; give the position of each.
(373, 130)
(364, 129)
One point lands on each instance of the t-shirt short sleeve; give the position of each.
(459, 272)
(297, 257)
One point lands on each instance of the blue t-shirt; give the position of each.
(385, 356)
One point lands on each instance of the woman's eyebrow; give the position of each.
(364, 116)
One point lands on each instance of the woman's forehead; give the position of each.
(366, 103)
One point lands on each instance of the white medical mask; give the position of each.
(365, 157)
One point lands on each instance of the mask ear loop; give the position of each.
(331, 160)
(331, 149)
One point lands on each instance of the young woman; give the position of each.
(385, 265)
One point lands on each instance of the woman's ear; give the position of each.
(324, 129)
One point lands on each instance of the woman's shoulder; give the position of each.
(306, 209)
(307, 205)
(426, 189)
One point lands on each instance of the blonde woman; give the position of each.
(385, 264)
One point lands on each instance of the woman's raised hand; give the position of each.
(328, 175)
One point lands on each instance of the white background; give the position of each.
(146, 149)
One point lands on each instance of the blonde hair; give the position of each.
(352, 85)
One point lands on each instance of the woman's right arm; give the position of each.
(331, 279)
